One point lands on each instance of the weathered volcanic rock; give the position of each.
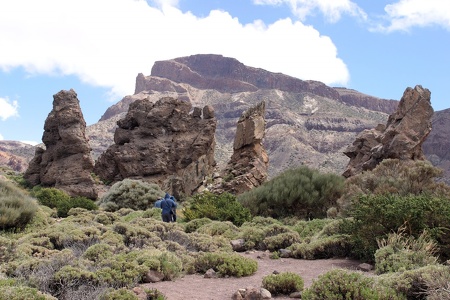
(164, 143)
(248, 165)
(401, 138)
(66, 162)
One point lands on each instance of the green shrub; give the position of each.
(339, 284)
(400, 253)
(199, 242)
(98, 252)
(400, 177)
(283, 283)
(280, 241)
(129, 193)
(154, 294)
(223, 207)
(10, 290)
(50, 197)
(253, 237)
(320, 248)
(224, 228)
(301, 192)
(61, 201)
(226, 264)
(429, 282)
(194, 224)
(311, 228)
(375, 216)
(120, 294)
(16, 208)
(121, 270)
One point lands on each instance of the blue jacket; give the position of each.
(158, 203)
(167, 204)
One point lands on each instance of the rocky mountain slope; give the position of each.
(307, 122)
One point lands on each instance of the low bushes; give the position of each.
(429, 282)
(61, 201)
(283, 283)
(11, 290)
(400, 253)
(339, 284)
(226, 264)
(16, 208)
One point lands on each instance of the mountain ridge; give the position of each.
(308, 123)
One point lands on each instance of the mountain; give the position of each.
(307, 122)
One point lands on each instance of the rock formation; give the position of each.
(166, 142)
(307, 122)
(402, 136)
(66, 162)
(248, 165)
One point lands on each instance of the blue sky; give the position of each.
(97, 47)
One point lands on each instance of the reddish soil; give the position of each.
(196, 287)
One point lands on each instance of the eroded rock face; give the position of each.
(166, 142)
(248, 165)
(402, 136)
(65, 163)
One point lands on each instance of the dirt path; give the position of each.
(196, 287)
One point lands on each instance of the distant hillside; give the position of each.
(308, 122)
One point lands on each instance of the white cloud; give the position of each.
(8, 108)
(332, 9)
(406, 14)
(108, 42)
(1, 137)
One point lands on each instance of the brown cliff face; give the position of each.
(66, 162)
(401, 138)
(355, 98)
(228, 75)
(249, 163)
(437, 145)
(162, 142)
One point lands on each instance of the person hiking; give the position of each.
(174, 209)
(158, 203)
(167, 205)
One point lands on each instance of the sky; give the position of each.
(97, 47)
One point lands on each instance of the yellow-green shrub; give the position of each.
(16, 208)
(283, 283)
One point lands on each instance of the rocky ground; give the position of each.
(196, 287)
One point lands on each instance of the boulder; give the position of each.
(401, 138)
(163, 142)
(65, 163)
